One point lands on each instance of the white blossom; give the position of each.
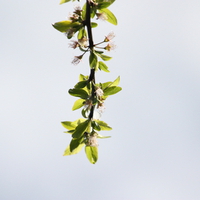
(110, 46)
(74, 44)
(109, 37)
(99, 92)
(83, 42)
(102, 16)
(76, 60)
(92, 141)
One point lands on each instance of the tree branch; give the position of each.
(88, 24)
(91, 45)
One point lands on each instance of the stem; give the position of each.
(88, 24)
(99, 43)
(91, 45)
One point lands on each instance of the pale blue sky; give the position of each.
(154, 152)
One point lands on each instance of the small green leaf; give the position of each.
(104, 57)
(84, 11)
(78, 93)
(78, 104)
(93, 60)
(81, 129)
(102, 137)
(70, 132)
(64, 1)
(69, 125)
(78, 121)
(111, 90)
(101, 1)
(103, 5)
(82, 33)
(109, 84)
(84, 113)
(82, 77)
(98, 52)
(81, 84)
(75, 143)
(110, 16)
(72, 125)
(91, 153)
(106, 84)
(103, 125)
(116, 81)
(103, 66)
(93, 11)
(63, 26)
(67, 151)
(96, 126)
(93, 24)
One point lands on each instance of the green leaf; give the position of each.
(102, 137)
(93, 60)
(93, 24)
(70, 132)
(98, 52)
(67, 151)
(110, 16)
(64, 1)
(81, 84)
(81, 129)
(82, 77)
(96, 126)
(78, 121)
(78, 93)
(109, 84)
(111, 90)
(93, 11)
(72, 125)
(92, 154)
(84, 11)
(82, 33)
(103, 125)
(116, 81)
(75, 143)
(105, 85)
(69, 125)
(101, 1)
(104, 57)
(63, 26)
(84, 113)
(103, 66)
(78, 104)
(103, 5)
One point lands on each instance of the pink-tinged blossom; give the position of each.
(110, 46)
(77, 60)
(109, 37)
(77, 10)
(101, 107)
(99, 110)
(92, 141)
(74, 17)
(99, 92)
(88, 104)
(102, 16)
(83, 42)
(70, 32)
(74, 44)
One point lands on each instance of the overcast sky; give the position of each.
(154, 151)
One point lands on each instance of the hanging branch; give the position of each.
(88, 24)
(91, 45)
(91, 95)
